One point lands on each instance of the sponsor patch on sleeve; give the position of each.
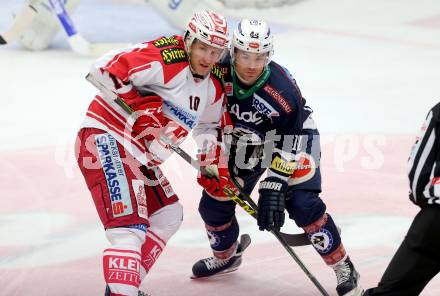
(278, 98)
(282, 167)
(165, 41)
(115, 176)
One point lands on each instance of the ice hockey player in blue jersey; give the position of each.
(271, 130)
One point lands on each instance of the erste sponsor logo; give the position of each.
(264, 107)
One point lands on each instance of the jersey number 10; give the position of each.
(194, 103)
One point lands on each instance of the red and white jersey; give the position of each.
(161, 67)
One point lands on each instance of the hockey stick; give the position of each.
(76, 41)
(279, 236)
(291, 239)
(241, 200)
(21, 22)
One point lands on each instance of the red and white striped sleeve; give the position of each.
(140, 66)
(123, 71)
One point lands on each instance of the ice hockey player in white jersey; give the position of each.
(168, 85)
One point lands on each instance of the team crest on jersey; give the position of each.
(165, 41)
(115, 176)
(173, 55)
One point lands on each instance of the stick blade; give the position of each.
(2, 40)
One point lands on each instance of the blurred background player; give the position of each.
(265, 105)
(168, 85)
(417, 260)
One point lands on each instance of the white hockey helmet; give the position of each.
(208, 27)
(253, 36)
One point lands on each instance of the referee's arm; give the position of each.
(423, 160)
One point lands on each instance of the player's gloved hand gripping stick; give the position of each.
(243, 200)
(292, 239)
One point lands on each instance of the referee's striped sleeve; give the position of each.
(421, 163)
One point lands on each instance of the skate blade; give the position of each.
(358, 291)
(194, 277)
(245, 241)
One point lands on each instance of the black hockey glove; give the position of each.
(271, 203)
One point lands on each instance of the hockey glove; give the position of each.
(147, 115)
(271, 203)
(214, 178)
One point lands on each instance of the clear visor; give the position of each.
(250, 59)
(208, 52)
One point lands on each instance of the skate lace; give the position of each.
(342, 272)
(214, 263)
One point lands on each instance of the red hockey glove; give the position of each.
(214, 178)
(147, 112)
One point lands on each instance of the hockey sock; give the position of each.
(122, 261)
(163, 225)
(325, 238)
(151, 250)
(223, 239)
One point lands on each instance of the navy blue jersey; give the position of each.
(274, 109)
(276, 106)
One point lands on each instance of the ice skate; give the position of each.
(214, 266)
(348, 279)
